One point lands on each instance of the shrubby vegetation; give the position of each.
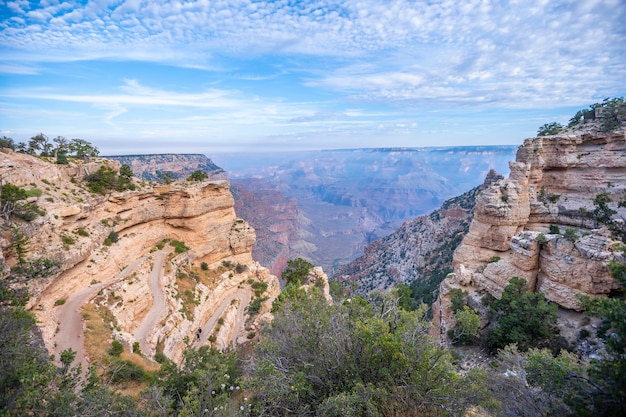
(523, 318)
(13, 203)
(611, 112)
(355, 359)
(198, 176)
(550, 129)
(106, 179)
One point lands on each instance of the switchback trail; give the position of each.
(158, 305)
(244, 300)
(70, 334)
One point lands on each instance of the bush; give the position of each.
(198, 176)
(82, 232)
(458, 299)
(554, 230)
(125, 370)
(204, 266)
(113, 237)
(116, 348)
(255, 306)
(296, 271)
(524, 318)
(541, 239)
(549, 129)
(179, 247)
(571, 234)
(493, 259)
(467, 325)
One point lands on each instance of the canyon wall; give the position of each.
(157, 263)
(538, 224)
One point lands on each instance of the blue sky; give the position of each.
(137, 76)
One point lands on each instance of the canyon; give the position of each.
(326, 206)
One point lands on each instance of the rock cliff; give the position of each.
(420, 250)
(155, 264)
(538, 224)
(149, 166)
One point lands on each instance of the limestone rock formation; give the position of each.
(155, 264)
(536, 224)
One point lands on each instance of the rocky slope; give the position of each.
(420, 249)
(278, 222)
(155, 264)
(535, 224)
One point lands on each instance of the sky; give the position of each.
(137, 76)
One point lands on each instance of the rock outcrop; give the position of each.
(157, 262)
(536, 224)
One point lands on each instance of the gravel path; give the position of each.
(71, 334)
(244, 299)
(158, 305)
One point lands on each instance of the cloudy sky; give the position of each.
(142, 76)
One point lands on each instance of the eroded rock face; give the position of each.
(120, 252)
(553, 182)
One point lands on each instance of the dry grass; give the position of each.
(187, 292)
(211, 277)
(100, 323)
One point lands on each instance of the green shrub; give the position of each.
(116, 348)
(549, 129)
(126, 371)
(493, 259)
(136, 348)
(67, 240)
(59, 302)
(522, 317)
(179, 247)
(541, 239)
(458, 299)
(255, 306)
(259, 288)
(296, 271)
(33, 192)
(113, 237)
(204, 266)
(198, 176)
(82, 232)
(571, 234)
(554, 230)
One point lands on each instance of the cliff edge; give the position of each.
(542, 223)
(147, 267)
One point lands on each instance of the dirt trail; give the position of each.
(158, 305)
(70, 333)
(244, 299)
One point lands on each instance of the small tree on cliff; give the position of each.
(198, 176)
(296, 271)
(549, 129)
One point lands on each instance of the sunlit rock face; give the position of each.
(123, 246)
(552, 184)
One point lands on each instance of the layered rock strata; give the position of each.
(536, 224)
(171, 254)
